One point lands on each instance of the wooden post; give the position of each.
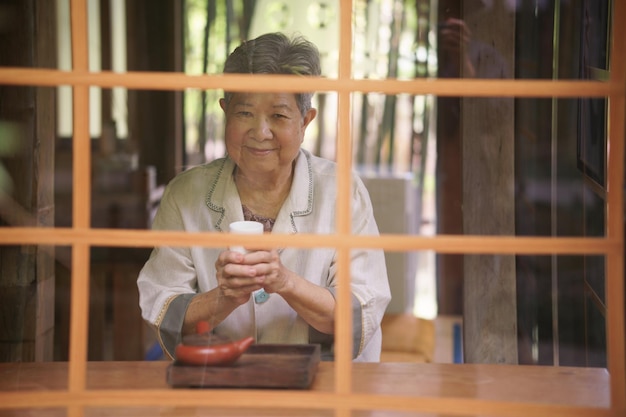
(28, 39)
(155, 117)
(490, 309)
(448, 173)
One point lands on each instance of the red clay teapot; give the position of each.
(206, 349)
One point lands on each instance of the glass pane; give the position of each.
(595, 329)
(482, 166)
(123, 196)
(27, 144)
(116, 330)
(548, 310)
(34, 295)
(134, 153)
(27, 35)
(455, 39)
(214, 30)
(419, 39)
(28, 288)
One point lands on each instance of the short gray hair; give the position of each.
(275, 53)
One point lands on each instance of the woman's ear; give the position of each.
(223, 104)
(308, 117)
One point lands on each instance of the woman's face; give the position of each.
(264, 131)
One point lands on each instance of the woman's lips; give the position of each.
(259, 152)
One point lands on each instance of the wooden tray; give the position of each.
(261, 366)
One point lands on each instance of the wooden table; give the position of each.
(560, 386)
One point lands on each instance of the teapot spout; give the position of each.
(244, 344)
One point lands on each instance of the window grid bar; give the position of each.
(343, 325)
(615, 321)
(172, 81)
(616, 351)
(81, 208)
(459, 244)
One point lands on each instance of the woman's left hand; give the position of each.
(267, 263)
(316, 305)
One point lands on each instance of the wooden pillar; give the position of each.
(490, 310)
(155, 117)
(27, 39)
(448, 173)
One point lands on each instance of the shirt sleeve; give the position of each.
(327, 342)
(369, 281)
(370, 284)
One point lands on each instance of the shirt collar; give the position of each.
(225, 205)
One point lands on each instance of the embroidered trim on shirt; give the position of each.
(362, 341)
(159, 320)
(166, 305)
(209, 196)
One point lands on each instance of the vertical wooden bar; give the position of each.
(615, 213)
(81, 207)
(343, 324)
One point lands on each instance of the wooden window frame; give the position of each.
(81, 237)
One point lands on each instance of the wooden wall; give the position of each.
(27, 38)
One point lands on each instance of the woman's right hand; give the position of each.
(236, 280)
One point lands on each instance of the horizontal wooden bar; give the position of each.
(465, 244)
(461, 87)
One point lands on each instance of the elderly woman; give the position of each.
(278, 295)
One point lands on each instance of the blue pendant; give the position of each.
(261, 296)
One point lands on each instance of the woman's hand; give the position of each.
(238, 276)
(314, 304)
(273, 276)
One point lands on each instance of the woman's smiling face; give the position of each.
(264, 131)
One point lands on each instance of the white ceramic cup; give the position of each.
(245, 228)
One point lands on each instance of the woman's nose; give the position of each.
(261, 129)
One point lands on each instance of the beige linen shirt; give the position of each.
(205, 198)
